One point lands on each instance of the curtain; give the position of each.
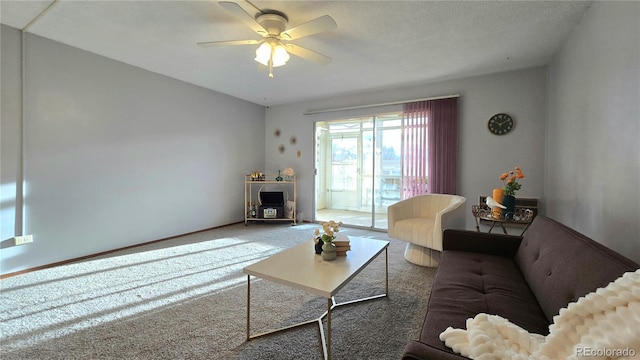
(429, 147)
(443, 146)
(414, 148)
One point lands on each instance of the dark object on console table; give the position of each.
(272, 205)
(526, 280)
(521, 203)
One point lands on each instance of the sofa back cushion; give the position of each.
(561, 265)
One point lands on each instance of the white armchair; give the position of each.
(420, 221)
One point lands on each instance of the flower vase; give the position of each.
(279, 177)
(498, 193)
(510, 202)
(329, 251)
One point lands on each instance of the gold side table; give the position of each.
(483, 212)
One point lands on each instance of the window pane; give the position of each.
(344, 166)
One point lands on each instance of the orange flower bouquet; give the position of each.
(510, 179)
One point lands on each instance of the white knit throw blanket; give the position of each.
(604, 324)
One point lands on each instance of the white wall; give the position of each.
(10, 131)
(483, 156)
(116, 155)
(593, 154)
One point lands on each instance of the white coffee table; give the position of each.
(300, 268)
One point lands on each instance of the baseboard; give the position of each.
(64, 262)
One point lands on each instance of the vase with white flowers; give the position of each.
(324, 241)
(288, 173)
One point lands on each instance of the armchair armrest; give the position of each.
(399, 211)
(451, 217)
(473, 241)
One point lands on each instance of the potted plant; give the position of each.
(511, 185)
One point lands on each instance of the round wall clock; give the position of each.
(500, 124)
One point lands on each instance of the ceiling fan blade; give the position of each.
(323, 23)
(238, 12)
(308, 54)
(229, 42)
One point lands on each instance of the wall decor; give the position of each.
(500, 124)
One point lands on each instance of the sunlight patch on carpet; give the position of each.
(58, 301)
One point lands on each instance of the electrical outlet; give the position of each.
(25, 239)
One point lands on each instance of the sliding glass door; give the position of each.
(358, 169)
(344, 180)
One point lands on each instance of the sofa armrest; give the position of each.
(416, 350)
(473, 241)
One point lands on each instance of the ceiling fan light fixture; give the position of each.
(280, 55)
(263, 54)
(274, 51)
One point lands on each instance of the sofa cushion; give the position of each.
(469, 283)
(562, 265)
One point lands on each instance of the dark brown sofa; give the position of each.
(526, 280)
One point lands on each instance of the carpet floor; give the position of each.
(185, 298)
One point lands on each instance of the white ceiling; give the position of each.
(377, 45)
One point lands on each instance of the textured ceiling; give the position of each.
(377, 45)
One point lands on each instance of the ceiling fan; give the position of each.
(274, 46)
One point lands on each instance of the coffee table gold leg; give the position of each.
(329, 305)
(248, 305)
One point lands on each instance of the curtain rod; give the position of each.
(311, 112)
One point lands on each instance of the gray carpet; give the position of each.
(185, 298)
